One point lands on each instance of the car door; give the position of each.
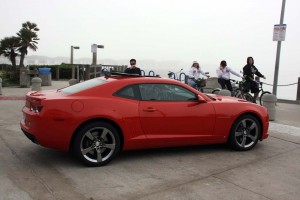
(172, 112)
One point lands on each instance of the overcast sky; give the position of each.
(163, 30)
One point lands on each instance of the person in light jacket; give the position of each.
(223, 74)
(194, 73)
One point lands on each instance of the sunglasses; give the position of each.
(132, 63)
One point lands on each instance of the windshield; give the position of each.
(82, 86)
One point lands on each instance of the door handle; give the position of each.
(149, 109)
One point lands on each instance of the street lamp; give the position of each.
(73, 68)
(94, 51)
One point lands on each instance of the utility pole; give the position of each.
(275, 83)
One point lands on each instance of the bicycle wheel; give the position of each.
(246, 96)
(249, 97)
(262, 94)
(216, 91)
(238, 94)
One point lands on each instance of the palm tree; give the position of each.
(8, 47)
(28, 39)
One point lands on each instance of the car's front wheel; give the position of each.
(245, 133)
(97, 143)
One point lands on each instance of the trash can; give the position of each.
(46, 76)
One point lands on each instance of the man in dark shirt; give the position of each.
(133, 69)
(249, 70)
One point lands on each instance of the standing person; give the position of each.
(133, 69)
(194, 74)
(223, 74)
(249, 70)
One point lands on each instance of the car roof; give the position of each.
(134, 78)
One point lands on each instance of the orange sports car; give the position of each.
(98, 118)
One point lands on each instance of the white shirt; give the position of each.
(225, 73)
(195, 73)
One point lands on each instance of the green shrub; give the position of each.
(10, 78)
(65, 70)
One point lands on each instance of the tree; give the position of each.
(8, 47)
(28, 39)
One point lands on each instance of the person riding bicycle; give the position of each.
(223, 74)
(194, 74)
(250, 84)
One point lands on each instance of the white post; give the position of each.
(36, 84)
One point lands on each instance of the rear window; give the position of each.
(82, 86)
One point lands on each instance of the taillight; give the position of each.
(34, 105)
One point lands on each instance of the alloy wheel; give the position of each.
(246, 133)
(98, 144)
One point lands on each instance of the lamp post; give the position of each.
(94, 51)
(71, 61)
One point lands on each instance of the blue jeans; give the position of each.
(191, 82)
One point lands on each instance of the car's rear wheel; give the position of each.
(245, 133)
(97, 143)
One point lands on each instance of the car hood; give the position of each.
(226, 98)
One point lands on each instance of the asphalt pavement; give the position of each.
(269, 171)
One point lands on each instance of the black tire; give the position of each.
(244, 133)
(216, 91)
(248, 97)
(240, 96)
(262, 94)
(237, 92)
(96, 144)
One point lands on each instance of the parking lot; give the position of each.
(269, 171)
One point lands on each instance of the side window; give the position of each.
(165, 92)
(127, 92)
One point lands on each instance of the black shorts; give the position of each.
(251, 85)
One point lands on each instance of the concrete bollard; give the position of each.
(225, 93)
(269, 101)
(0, 86)
(73, 81)
(36, 84)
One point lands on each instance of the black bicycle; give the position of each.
(235, 88)
(200, 83)
(175, 75)
(261, 91)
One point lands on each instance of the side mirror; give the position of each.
(201, 100)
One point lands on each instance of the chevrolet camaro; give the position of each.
(98, 118)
